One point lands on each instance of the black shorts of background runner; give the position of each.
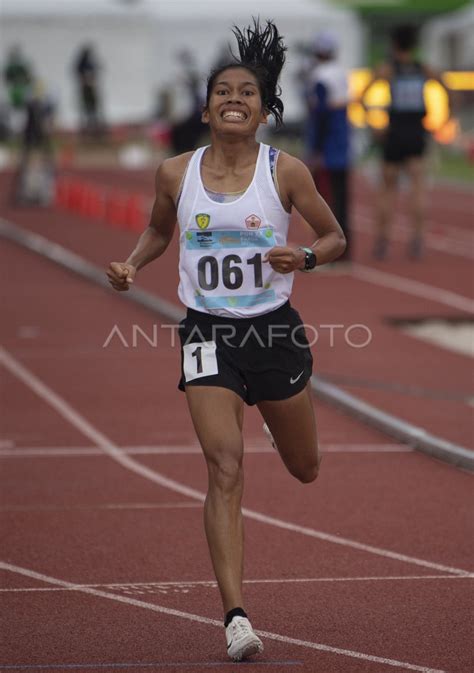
(267, 358)
(405, 138)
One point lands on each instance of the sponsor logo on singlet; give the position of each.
(253, 222)
(203, 220)
(261, 238)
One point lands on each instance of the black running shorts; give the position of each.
(266, 357)
(404, 141)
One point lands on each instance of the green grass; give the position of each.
(368, 7)
(453, 166)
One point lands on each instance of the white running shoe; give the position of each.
(269, 435)
(241, 640)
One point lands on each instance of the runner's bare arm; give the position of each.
(157, 236)
(298, 190)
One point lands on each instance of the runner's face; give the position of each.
(235, 104)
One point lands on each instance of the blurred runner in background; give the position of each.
(328, 131)
(404, 141)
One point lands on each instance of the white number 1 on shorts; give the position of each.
(199, 360)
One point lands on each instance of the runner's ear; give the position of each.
(205, 115)
(264, 117)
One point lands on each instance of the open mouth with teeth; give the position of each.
(234, 116)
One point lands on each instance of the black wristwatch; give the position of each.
(310, 260)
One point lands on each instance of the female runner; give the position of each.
(241, 340)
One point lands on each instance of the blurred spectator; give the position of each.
(34, 182)
(404, 141)
(160, 127)
(17, 76)
(328, 131)
(186, 133)
(4, 122)
(87, 70)
(224, 56)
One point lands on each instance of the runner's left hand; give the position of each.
(285, 260)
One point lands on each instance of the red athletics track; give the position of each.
(81, 517)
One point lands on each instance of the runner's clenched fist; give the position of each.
(285, 260)
(121, 275)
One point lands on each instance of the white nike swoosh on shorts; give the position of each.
(297, 378)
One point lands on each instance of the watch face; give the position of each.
(310, 261)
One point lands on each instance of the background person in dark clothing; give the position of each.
(17, 77)
(187, 132)
(34, 182)
(405, 139)
(328, 131)
(87, 73)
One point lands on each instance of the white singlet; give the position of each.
(222, 245)
(334, 78)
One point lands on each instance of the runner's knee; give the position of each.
(308, 472)
(225, 474)
(307, 475)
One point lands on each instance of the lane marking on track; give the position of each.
(214, 622)
(107, 506)
(441, 193)
(406, 285)
(402, 232)
(413, 287)
(212, 584)
(449, 232)
(73, 451)
(111, 449)
(167, 665)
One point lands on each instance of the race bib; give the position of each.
(199, 359)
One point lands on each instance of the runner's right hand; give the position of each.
(121, 275)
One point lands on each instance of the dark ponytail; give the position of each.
(262, 52)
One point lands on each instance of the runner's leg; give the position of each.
(416, 172)
(292, 423)
(340, 194)
(217, 415)
(385, 206)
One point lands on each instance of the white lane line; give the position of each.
(110, 506)
(138, 666)
(73, 451)
(406, 285)
(440, 243)
(413, 287)
(447, 230)
(214, 622)
(111, 449)
(368, 448)
(212, 584)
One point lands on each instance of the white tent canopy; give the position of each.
(448, 40)
(137, 42)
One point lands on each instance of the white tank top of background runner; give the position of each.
(222, 245)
